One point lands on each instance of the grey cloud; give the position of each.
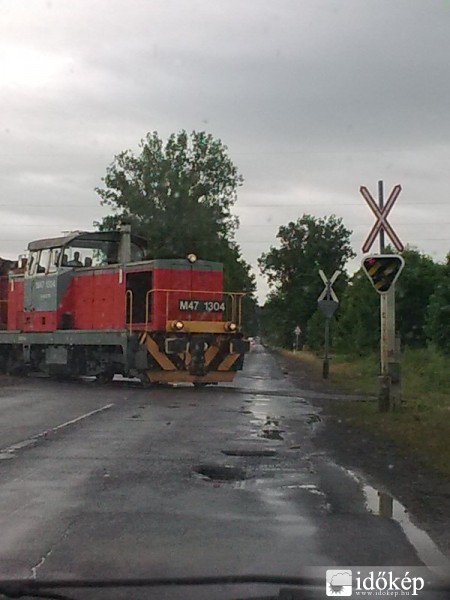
(313, 99)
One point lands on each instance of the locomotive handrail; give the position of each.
(129, 309)
(3, 314)
(236, 302)
(147, 308)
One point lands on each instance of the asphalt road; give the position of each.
(119, 481)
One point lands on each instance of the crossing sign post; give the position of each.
(297, 332)
(383, 271)
(327, 303)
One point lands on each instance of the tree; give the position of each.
(178, 195)
(306, 246)
(438, 314)
(274, 320)
(357, 329)
(414, 287)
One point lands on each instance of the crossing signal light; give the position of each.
(383, 270)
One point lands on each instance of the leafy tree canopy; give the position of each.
(357, 328)
(414, 287)
(178, 194)
(306, 246)
(437, 320)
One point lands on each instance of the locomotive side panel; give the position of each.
(82, 301)
(99, 300)
(109, 301)
(3, 301)
(15, 303)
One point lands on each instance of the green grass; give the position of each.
(421, 427)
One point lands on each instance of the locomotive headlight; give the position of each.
(192, 258)
(177, 325)
(231, 326)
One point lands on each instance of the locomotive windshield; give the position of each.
(80, 250)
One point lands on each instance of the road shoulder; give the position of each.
(425, 494)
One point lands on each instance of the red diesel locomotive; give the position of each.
(88, 304)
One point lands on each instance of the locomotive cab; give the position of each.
(59, 287)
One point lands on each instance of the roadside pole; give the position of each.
(383, 274)
(384, 391)
(327, 303)
(297, 332)
(326, 359)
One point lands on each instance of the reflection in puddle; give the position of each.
(383, 504)
(6, 455)
(286, 513)
(309, 487)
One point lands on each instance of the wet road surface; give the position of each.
(119, 481)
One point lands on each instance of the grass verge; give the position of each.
(421, 427)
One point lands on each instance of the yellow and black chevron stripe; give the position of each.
(383, 271)
(215, 360)
(160, 357)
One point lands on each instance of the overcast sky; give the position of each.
(312, 97)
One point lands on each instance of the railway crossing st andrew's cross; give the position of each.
(381, 212)
(327, 303)
(382, 271)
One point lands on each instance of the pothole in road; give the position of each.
(313, 418)
(271, 434)
(271, 429)
(244, 452)
(220, 472)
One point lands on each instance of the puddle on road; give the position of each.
(272, 434)
(383, 504)
(250, 452)
(214, 472)
(286, 513)
(6, 455)
(253, 393)
(300, 401)
(309, 487)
